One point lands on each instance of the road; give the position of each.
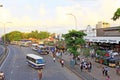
(15, 67)
(1, 49)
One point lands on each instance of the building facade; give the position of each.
(109, 36)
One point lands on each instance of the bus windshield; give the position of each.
(40, 61)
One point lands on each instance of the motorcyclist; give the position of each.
(2, 76)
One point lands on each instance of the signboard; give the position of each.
(103, 39)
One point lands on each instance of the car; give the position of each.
(43, 51)
(114, 53)
(34, 47)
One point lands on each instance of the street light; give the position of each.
(74, 19)
(4, 31)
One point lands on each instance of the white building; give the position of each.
(90, 31)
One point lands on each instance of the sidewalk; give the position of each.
(96, 72)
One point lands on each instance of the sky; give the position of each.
(54, 15)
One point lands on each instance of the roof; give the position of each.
(34, 56)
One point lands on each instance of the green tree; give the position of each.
(86, 52)
(25, 35)
(15, 36)
(116, 15)
(34, 34)
(43, 35)
(6, 37)
(74, 39)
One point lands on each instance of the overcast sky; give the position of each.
(51, 15)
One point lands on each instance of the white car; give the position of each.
(114, 53)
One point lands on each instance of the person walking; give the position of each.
(40, 74)
(54, 59)
(103, 71)
(106, 71)
(81, 66)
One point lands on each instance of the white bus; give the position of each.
(35, 61)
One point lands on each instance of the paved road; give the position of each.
(15, 67)
(1, 49)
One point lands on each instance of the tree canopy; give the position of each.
(116, 15)
(17, 35)
(74, 39)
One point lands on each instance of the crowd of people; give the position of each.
(86, 65)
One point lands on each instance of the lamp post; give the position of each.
(4, 31)
(74, 19)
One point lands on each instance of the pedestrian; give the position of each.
(108, 78)
(40, 74)
(106, 71)
(78, 58)
(89, 67)
(62, 62)
(103, 71)
(54, 59)
(81, 66)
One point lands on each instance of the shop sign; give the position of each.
(94, 40)
(112, 41)
(103, 40)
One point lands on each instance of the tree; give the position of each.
(116, 15)
(15, 36)
(74, 39)
(43, 35)
(25, 35)
(34, 34)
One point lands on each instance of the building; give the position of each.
(102, 25)
(90, 31)
(109, 37)
(108, 32)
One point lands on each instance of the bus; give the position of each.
(35, 61)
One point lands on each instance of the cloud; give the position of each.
(56, 18)
(42, 10)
